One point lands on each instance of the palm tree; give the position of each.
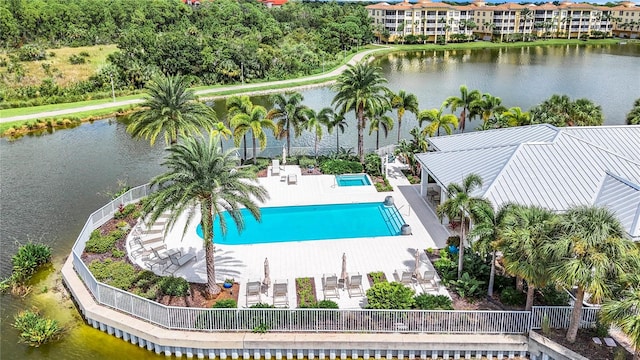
(527, 15)
(486, 107)
(588, 253)
(337, 121)
(418, 140)
(255, 121)
(625, 313)
(403, 101)
(515, 117)
(200, 174)
(360, 88)
(487, 232)
(172, 108)
(437, 120)
(289, 112)
(633, 117)
(458, 205)
(220, 130)
(525, 231)
(239, 105)
(464, 101)
(316, 122)
(379, 121)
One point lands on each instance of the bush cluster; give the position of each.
(372, 164)
(433, 302)
(225, 304)
(390, 295)
(512, 296)
(100, 244)
(306, 295)
(174, 286)
(115, 273)
(35, 329)
(28, 259)
(338, 166)
(124, 211)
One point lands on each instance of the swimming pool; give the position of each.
(353, 180)
(314, 222)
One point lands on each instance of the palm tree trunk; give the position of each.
(315, 148)
(492, 274)
(337, 141)
(360, 116)
(576, 316)
(207, 229)
(399, 125)
(531, 290)
(461, 247)
(244, 141)
(378, 139)
(519, 284)
(255, 149)
(288, 138)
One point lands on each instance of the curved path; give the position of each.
(246, 88)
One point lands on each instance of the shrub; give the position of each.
(305, 162)
(28, 259)
(453, 240)
(512, 296)
(174, 286)
(393, 295)
(83, 54)
(501, 282)
(468, 287)
(262, 306)
(124, 211)
(372, 164)
(306, 295)
(100, 244)
(384, 185)
(77, 59)
(225, 304)
(377, 277)
(32, 52)
(146, 284)
(551, 296)
(115, 273)
(433, 302)
(447, 269)
(327, 304)
(35, 329)
(117, 253)
(337, 166)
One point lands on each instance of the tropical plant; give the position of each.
(220, 130)
(360, 89)
(486, 106)
(200, 174)
(437, 120)
(458, 205)
(379, 121)
(467, 286)
(239, 105)
(289, 114)
(402, 102)
(35, 329)
(433, 302)
(170, 107)
(255, 121)
(463, 101)
(316, 122)
(624, 312)
(390, 295)
(174, 286)
(559, 110)
(28, 259)
(633, 117)
(525, 232)
(516, 117)
(337, 122)
(589, 253)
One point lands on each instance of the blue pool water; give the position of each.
(353, 180)
(315, 222)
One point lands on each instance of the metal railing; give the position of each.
(307, 320)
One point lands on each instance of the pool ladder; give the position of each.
(391, 216)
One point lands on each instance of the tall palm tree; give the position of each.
(459, 204)
(486, 106)
(201, 174)
(316, 122)
(525, 232)
(487, 228)
(170, 107)
(239, 105)
(516, 117)
(526, 14)
(379, 121)
(624, 312)
(221, 131)
(588, 253)
(463, 101)
(288, 112)
(403, 101)
(256, 122)
(437, 120)
(337, 122)
(360, 88)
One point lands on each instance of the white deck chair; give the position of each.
(253, 293)
(292, 179)
(404, 277)
(178, 262)
(275, 167)
(354, 285)
(330, 286)
(428, 281)
(281, 294)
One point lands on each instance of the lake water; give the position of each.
(50, 184)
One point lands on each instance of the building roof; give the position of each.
(542, 165)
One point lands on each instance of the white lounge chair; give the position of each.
(404, 277)
(428, 281)
(253, 293)
(178, 262)
(292, 179)
(275, 167)
(330, 286)
(354, 285)
(281, 294)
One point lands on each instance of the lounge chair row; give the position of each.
(280, 293)
(330, 286)
(426, 282)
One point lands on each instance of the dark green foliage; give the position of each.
(115, 273)
(384, 186)
(262, 306)
(453, 240)
(377, 277)
(145, 284)
(174, 286)
(32, 52)
(502, 282)
(35, 329)
(100, 244)
(124, 211)
(341, 167)
(433, 302)
(393, 295)
(468, 287)
(551, 296)
(306, 162)
(306, 295)
(512, 296)
(225, 304)
(77, 59)
(327, 304)
(28, 259)
(372, 164)
(446, 266)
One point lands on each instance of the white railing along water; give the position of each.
(307, 320)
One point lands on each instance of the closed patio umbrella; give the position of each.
(284, 155)
(267, 280)
(344, 274)
(416, 267)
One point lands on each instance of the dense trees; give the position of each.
(633, 117)
(559, 110)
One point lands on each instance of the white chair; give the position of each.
(428, 281)
(275, 167)
(253, 293)
(292, 179)
(281, 294)
(354, 285)
(330, 286)
(404, 277)
(178, 262)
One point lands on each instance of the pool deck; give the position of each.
(291, 260)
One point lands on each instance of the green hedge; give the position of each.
(100, 244)
(338, 166)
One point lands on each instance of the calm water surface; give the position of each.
(50, 184)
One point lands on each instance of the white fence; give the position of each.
(307, 320)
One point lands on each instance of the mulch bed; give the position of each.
(197, 299)
(585, 346)
(299, 290)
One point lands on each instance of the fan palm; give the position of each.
(625, 313)
(379, 121)
(588, 253)
(170, 107)
(256, 122)
(288, 112)
(459, 204)
(525, 232)
(437, 120)
(201, 174)
(463, 101)
(360, 88)
(402, 102)
(337, 121)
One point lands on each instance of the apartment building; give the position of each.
(571, 20)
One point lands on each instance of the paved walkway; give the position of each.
(291, 260)
(246, 89)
